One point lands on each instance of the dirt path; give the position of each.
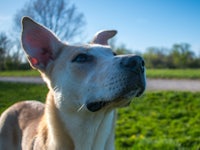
(152, 84)
(37, 80)
(173, 84)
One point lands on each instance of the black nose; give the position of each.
(133, 63)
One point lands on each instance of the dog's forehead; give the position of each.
(96, 49)
(91, 49)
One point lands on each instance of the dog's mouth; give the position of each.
(122, 101)
(95, 106)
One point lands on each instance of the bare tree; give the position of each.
(61, 16)
(4, 50)
(58, 15)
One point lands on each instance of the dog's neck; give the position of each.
(78, 130)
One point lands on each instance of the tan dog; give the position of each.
(86, 83)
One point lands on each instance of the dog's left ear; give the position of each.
(102, 37)
(39, 43)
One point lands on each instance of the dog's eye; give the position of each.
(81, 58)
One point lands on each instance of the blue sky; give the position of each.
(140, 23)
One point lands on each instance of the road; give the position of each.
(173, 84)
(152, 84)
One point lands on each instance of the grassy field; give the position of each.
(14, 92)
(174, 74)
(156, 121)
(17, 73)
(151, 73)
(160, 121)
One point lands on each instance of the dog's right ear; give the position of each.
(102, 37)
(39, 43)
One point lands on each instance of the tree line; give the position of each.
(178, 56)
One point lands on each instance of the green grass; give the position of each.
(11, 93)
(20, 73)
(160, 120)
(151, 73)
(156, 121)
(173, 73)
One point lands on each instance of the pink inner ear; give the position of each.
(38, 39)
(102, 40)
(38, 47)
(33, 61)
(103, 37)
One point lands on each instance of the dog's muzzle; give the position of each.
(133, 67)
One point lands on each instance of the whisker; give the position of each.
(81, 108)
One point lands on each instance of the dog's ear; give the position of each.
(102, 37)
(39, 43)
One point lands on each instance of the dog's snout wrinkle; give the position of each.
(133, 63)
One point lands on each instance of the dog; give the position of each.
(86, 83)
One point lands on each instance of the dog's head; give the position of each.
(89, 75)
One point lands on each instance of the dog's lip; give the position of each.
(96, 106)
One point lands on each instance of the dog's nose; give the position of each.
(133, 63)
